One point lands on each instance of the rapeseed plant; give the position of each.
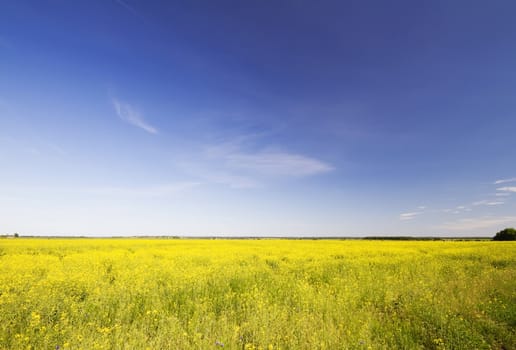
(256, 294)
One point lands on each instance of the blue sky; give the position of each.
(347, 118)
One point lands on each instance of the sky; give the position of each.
(257, 118)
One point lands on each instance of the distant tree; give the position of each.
(16, 235)
(509, 234)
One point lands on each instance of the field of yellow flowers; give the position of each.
(256, 294)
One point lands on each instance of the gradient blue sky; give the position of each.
(257, 118)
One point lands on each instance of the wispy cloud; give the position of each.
(144, 191)
(125, 4)
(502, 194)
(30, 146)
(158, 190)
(409, 216)
(132, 116)
(457, 210)
(232, 180)
(216, 173)
(238, 164)
(503, 181)
(265, 161)
(507, 189)
(493, 202)
(278, 163)
(487, 202)
(470, 224)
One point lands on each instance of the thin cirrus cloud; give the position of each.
(130, 115)
(457, 210)
(409, 216)
(503, 181)
(487, 202)
(130, 8)
(231, 180)
(213, 174)
(126, 6)
(103, 193)
(145, 191)
(507, 189)
(150, 190)
(233, 164)
(266, 161)
(470, 224)
(277, 163)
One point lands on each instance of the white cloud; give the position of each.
(102, 192)
(457, 210)
(252, 170)
(130, 8)
(130, 115)
(507, 189)
(31, 147)
(145, 191)
(232, 163)
(502, 181)
(239, 163)
(277, 163)
(215, 173)
(487, 202)
(233, 181)
(470, 224)
(409, 216)
(266, 161)
(126, 5)
(502, 194)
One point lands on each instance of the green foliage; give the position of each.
(509, 234)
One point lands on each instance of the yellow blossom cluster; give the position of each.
(256, 294)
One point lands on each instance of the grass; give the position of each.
(256, 294)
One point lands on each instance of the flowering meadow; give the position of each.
(256, 294)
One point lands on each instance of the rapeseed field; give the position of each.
(256, 294)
